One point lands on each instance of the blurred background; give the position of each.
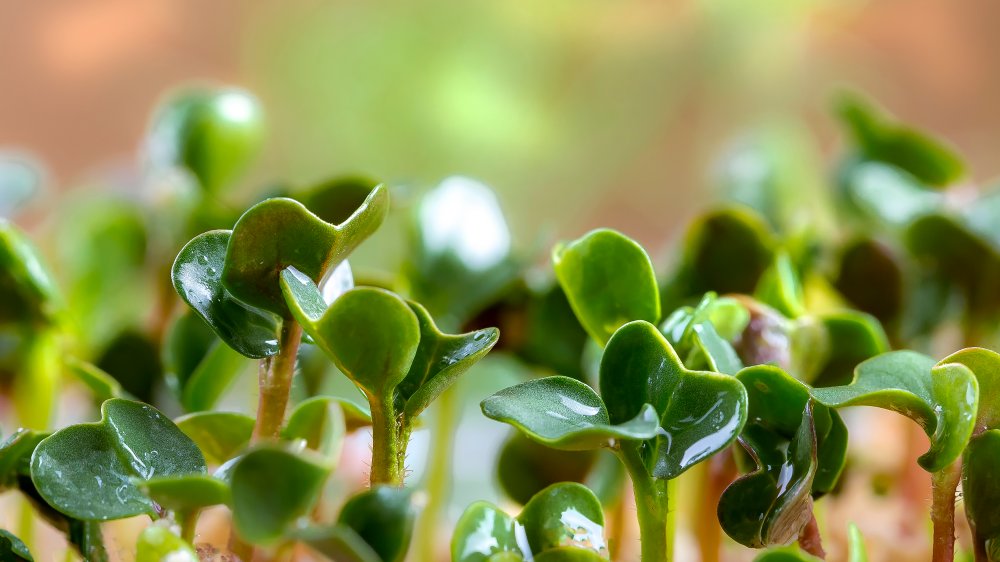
(578, 113)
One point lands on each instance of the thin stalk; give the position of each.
(716, 473)
(188, 520)
(438, 471)
(386, 467)
(275, 381)
(810, 539)
(944, 485)
(653, 506)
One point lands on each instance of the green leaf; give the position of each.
(102, 385)
(27, 292)
(15, 455)
(883, 196)
(985, 365)
(88, 471)
(693, 333)
(383, 517)
(941, 398)
(881, 138)
(855, 545)
(157, 544)
(213, 376)
(271, 489)
(219, 435)
(186, 492)
(562, 518)
(870, 277)
(725, 251)
(12, 549)
(700, 412)
(339, 543)
(526, 467)
(980, 488)
(371, 334)
(548, 334)
(279, 233)
(320, 423)
(785, 554)
(609, 280)
(335, 200)
(771, 505)
(567, 414)
(440, 360)
(780, 288)
(849, 337)
(197, 277)
(213, 133)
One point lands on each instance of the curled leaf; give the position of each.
(567, 414)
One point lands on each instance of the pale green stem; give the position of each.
(275, 381)
(439, 471)
(654, 507)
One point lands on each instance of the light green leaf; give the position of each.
(219, 435)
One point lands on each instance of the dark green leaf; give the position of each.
(12, 549)
(15, 455)
(871, 278)
(219, 435)
(526, 467)
(941, 398)
(371, 334)
(383, 517)
(27, 291)
(849, 337)
(197, 276)
(88, 471)
(102, 385)
(132, 358)
(271, 489)
(212, 133)
(565, 413)
(440, 360)
(980, 488)
(609, 280)
(700, 412)
(280, 233)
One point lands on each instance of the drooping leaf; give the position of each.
(271, 489)
(383, 517)
(158, 544)
(459, 257)
(440, 360)
(941, 398)
(197, 277)
(609, 281)
(219, 435)
(280, 233)
(567, 414)
(89, 471)
(213, 133)
(700, 412)
(12, 549)
(27, 292)
(371, 334)
(565, 519)
(879, 137)
(772, 504)
(187, 492)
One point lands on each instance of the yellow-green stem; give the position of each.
(386, 465)
(275, 381)
(35, 388)
(438, 471)
(654, 507)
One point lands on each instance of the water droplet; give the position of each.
(203, 260)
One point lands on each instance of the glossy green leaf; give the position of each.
(219, 435)
(271, 489)
(186, 492)
(83, 536)
(700, 412)
(693, 333)
(319, 422)
(280, 233)
(339, 543)
(561, 518)
(565, 413)
(102, 385)
(609, 281)
(459, 257)
(881, 138)
(89, 471)
(371, 334)
(780, 288)
(15, 456)
(985, 365)
(12, 549)
(772, 504)
(213, 133)
(27, 291)
(725, 251)
(941, 398)
(158, 544)
(383, 517)
(440, 360)
(980, 488)
(197, 277)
